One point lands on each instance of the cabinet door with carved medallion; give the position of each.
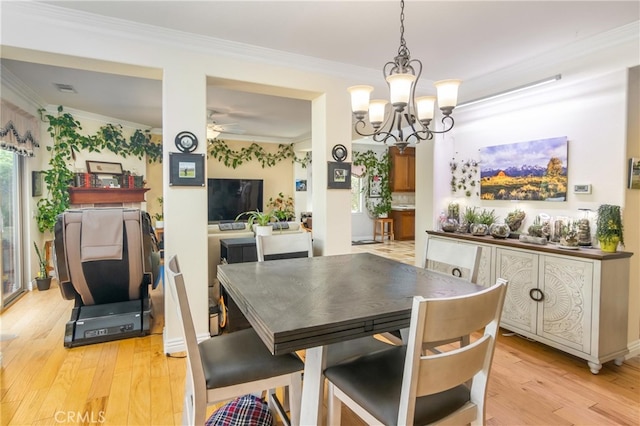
(521, 270)
(565, 315)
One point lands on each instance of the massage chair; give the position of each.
(103, 261)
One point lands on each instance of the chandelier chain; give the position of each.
(402, 41)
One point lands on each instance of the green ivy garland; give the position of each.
(67, 141)
(219, 150)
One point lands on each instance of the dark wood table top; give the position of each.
(301, 303)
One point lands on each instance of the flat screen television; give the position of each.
(227, 198)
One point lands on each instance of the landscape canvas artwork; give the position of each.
(533, 170)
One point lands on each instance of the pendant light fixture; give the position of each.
(407, 113)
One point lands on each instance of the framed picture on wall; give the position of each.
(339, 175)
(375, 187)
(36, 184)
(535, 170)
(634, 173)
(105, 168)
(186, 169)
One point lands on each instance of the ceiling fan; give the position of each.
(214, 128)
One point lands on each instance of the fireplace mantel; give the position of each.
(79, 195)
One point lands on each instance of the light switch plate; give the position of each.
(582, 189)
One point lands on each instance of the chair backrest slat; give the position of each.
(297, 244)
(195, 370)
(450, 255)
(450, 319)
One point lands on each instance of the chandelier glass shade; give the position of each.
(408, 118)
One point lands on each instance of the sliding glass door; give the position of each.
(10, 225)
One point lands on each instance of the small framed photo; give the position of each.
(36, 184)
(104, 168)
(339, 175)
(186, 169)
(634, 173)
(375, 187)
(301, 184)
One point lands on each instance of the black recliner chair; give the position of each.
(103, 261)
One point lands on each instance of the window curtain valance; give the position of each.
(20, 130)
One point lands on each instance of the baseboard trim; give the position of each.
(177, 345)
(634, 349)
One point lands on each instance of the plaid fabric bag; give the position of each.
(247, 410)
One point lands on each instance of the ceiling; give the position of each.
(453, 39)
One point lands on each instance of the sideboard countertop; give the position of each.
(584, 252)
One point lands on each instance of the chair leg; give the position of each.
(334, 407)
(295, 398)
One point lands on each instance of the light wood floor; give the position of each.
(132, 382)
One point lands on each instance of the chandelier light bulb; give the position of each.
(447, 93)
(400, 89)
(377, 110)
(424, 107)
(360, 99)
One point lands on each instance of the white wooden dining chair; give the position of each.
(230, 365)
(403, 386)
(284, 246)
(461, 260)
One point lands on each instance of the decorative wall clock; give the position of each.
(186, 142)
(339, 152)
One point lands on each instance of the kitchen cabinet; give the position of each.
(573, 300)
(403, 170)
(404, 224)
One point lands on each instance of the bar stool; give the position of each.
(383, 226)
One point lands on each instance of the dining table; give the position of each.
(312, 303)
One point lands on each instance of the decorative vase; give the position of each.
(609, 246)
(43, 283)
(449, 225)
(499, 230)
(264, 230)
(479, 229)
(159, 224)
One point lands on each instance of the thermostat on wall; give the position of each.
(582, 189)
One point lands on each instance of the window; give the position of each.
(357, 194)
(10, 225)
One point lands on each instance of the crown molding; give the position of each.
(78, 21)
(13, 83)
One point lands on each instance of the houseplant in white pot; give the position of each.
(43, 280)
(262, 221)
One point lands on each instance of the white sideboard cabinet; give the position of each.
(572, 300)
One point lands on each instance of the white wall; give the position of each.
(564, 108)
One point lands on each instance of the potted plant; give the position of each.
(43, 280)
(261, 219)
(483, 221)
(282, 207)
(159, 217)
(569, 234)
(469, 217)
(609, 231)
(382, 208)
(377, 169)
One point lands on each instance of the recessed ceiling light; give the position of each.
(65, 88)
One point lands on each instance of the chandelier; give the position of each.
(407, 111)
